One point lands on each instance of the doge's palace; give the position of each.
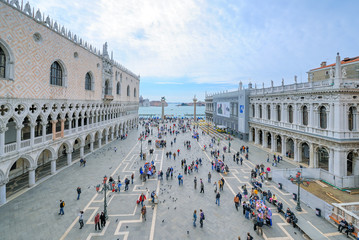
(60, 97)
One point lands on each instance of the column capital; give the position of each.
(62, 120)
(32, 125)
(19, 127)
(31, 168)
(4, 181)
(3, 129)
(54, 121)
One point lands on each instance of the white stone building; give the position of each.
(60, 98)
(314, 123)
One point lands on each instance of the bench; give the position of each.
(306, 228)
(353, 234)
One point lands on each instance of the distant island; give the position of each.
(200, 104)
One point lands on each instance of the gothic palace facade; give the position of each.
(60, 98)
(314, 123)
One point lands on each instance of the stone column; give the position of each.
(77, 124)
(99, 142)
(43, 132)
(18, 137)
(284, 145)
(70, 123)
(251, 136)
(106, 138)
(2, 140)
(3, 191)
(256, 138)
(112, 136)
(62, 127)
(163, 107)
(299, 151)
(82, 151)
(264, 138)
(54, 129)
(331, 117)
(340, 162)
(53, 166)
(331, 160)
(194, 108)
(32, 133)
(296, 159)
(31, 177)
(312, 157)
(295, 114)
(274, 143)
(82, 122)
(311, 115)
(91, 146)
(69, 157)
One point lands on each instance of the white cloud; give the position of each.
(169, 82)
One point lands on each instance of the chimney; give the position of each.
(323, 64)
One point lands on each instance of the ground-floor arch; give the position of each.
(305, 150)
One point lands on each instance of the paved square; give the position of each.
(34, 215)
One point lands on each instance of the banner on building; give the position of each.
(223, 109)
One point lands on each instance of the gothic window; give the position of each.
(118, 88)
(323, 158)
(88, 81)
(351, 118)
(323, 117)
(253, 111)
(305, 115)
(56, 74)
(134, 92)
(290, 114)
(2, 63)
(350, 159)
(268, 112)
(107, 88)
(260, 111)
(128, 90)
(278, 113)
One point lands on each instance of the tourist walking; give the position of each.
(194, 218)
(143, 212)
(215, 187)
(81, 219)
(249, 237)
(97, 222)
(62, 205)
(218, 196)
(202, 187)
(236, 202)
(201, 218)
(209, 177)
(78, 192)
(103, 219)
(132, 177)
(195, 183)
(142, 199)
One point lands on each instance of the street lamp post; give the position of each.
(105, 200)
(229, 144)
(141, 148)
(299, 181)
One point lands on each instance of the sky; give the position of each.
(182, 48)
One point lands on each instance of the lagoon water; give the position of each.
(171, 110)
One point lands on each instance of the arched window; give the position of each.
(107, 88)
(128, 90)
(305, 115)
(253, 111)
(290, 114)
(2, 63)
(268, 112)
(118, 88)
(323, 117)
(56, 74)
(279, 113)
(351, 118)
(134, 92)
(260, 111)
(88, 81)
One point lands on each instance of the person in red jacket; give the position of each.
(142, 198)
(97, 222)
(178, 151)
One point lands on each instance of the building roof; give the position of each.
(344, 61)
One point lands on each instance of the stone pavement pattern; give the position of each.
(34, 215)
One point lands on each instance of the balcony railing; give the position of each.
(38, 140)
(10, 147)
(48, 137)
(25, 143)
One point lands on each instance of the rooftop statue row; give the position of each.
(40, 18)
